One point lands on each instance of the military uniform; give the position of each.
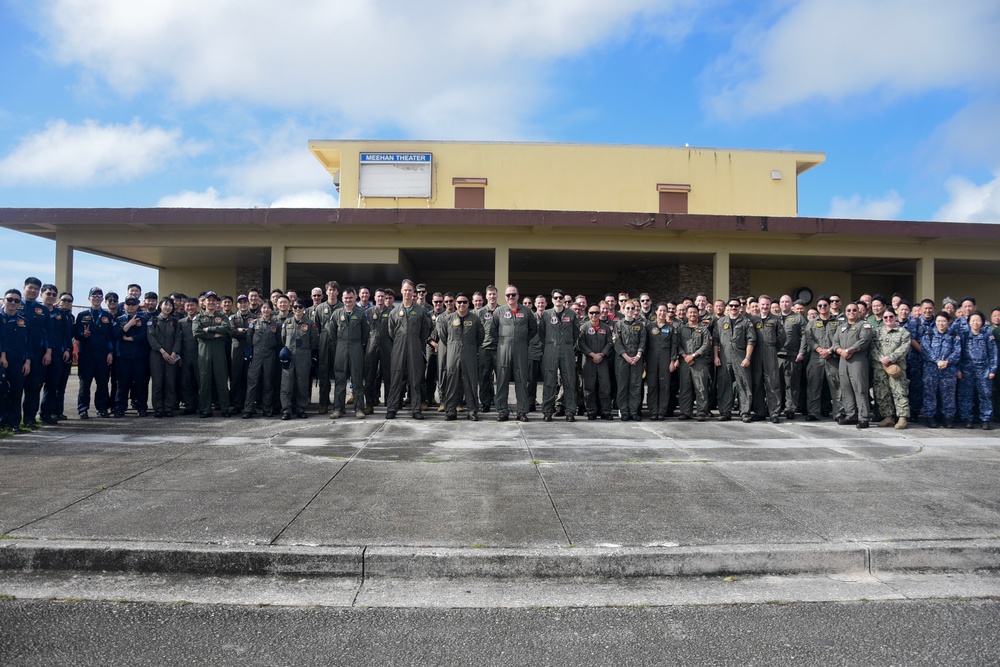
(464, 336)
(597, 375)
(133, 363)
(433, 373)
(855, 338)
(819, 339)
(265, 338)
(891, 394)
(14, 344)
(378, 357)
(94, 330)
(794, 326)
(487, 362)
(212, 330)
(301, 337)
(60, 340)
(558, 333)
(409, 328)
(936, 347)
(979, 361)
(770, 340)
(163, 335)
(352, 331)
(239, 358)
(323, 315)
(694, 378)
(40, 332)
(189, 365)
(511, 332)
(661, 351)
(736, 339)
(630, 339)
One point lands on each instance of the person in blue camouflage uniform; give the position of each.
(922, 322)
(995, 326)
(978, 370)
(942, 352)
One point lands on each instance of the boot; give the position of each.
(888, 421)
(901, 424)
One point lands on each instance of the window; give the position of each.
(673, 197)
(469, 192)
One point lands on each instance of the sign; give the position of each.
(395, 175)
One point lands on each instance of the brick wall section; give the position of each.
(250, 276)
(676, 280)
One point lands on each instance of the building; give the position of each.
(585, 219)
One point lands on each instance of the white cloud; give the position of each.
(74, 155)
(210, 198)
(887, 207)
(450, 68)
(836, 49)
(970, 202)
(310, 199)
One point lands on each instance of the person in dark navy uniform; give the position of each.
(132, 351)
(61, 343)
(40, 330)
(94, 331)
(15, 362)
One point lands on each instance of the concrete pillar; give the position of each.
(720, 275)
(501, 270)
(64, 265)
(925, 279)
(279, 269)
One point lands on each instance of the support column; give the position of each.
(720, 275)
(924, 279)
(64, 265)
(501, 269)
(279, 269)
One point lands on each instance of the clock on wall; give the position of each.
(803, 294)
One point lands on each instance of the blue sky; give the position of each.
(110, 103)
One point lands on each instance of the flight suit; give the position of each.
(794, 326)
(487, 362)
(770, 339)
(735, 337)
(15, 347)
(60, 340)
(265, 337)
(301, 337)
(163, 335)
(464, 336)
(661, 350)
(409, 329)
(378, 356)
(819, 336)
(133, 363)
(855, 338)
(694, 378)
(40, 333)
(189, 365)
(558, 333)
(597, 376)
(352, 332)
(239, 361)
(630, 339)
(212, 330)
(327, 352)
(511, 332)
(94, 330)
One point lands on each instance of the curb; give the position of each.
(500, 563)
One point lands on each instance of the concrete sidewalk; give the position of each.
(451, 499)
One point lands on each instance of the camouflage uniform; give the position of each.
(979, 361)
(936, 347)
(889, 391)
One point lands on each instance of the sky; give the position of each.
(117, 103)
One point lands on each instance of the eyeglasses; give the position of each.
(421, 291)
(448, 301)
(437, 301)
(834, 300)
(513, 295)
(733, 305)
(645, 300)
(629, 307)
(888, 317)
(594, 312)
(65, 300)
(462, 303)
(50, 294)
(852, 310)
(822, 305)
(11, 299)
(298, 307)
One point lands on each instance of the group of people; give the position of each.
(748, 357)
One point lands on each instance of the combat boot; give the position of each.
(901, 424)
(888, 421)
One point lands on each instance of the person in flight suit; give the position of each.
(379, 354)
(770, 340)
(511, 329)
(240, 351)
(94, 330)
(40, 333)
(15, 359)
(792, 354)
(851, 342)
(132, 353)
(695, 351)
(979, 367)
(596, 343)
(352, 331)
(265, 338)
(323, 314)
(558, 332)
(409, 328)
(301, 339)
(61, 341)
(736, 339)
(630, 344)
(66, 306)
(212, 329)
(824, 363)
(463, 335)
(433, 358)
(189, 358)
(661, 360)
(164, 337)
(487, 353)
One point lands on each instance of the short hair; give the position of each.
(135, 285)
(12, 290)
(32, 280)
(49, 286)
(926, 301)
(226, 296)
(333, 283)
(276, 290)
(968, 298)
(406, 281)
(492, 287)
(350, 290)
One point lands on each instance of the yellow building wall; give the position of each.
(985, 289)
(193, 281)
(580, 177)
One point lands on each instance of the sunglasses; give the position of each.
(594, 312)
(298, 307)
(629, 307)
(11, 299)
(645, 300)
(834, 300)
(852, 310)
(511, 296)
(438, 301)
(66, 300)
(462, 303)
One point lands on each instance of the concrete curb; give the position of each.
(500, 563)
